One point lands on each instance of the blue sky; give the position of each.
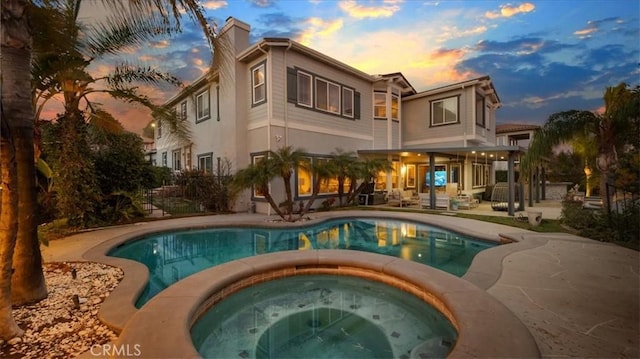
(543, 56)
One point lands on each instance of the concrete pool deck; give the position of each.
(577, 297)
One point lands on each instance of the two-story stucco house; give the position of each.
(277, 92)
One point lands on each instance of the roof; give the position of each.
(399, 79)
(515, 127)
(261, 46)
(484, 82)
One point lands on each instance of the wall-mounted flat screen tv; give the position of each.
(440, 178)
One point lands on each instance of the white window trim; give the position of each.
(202, 157)
(397, 98)
(329, 86)
(255, 86)
(304, 74)
(176, 156)
(205, 114)
(352, 97)
(255, 160)
(384, 95)
(444, 118)
(183, 110)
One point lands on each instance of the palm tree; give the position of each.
(343, 165)
(320, 172)
(367, 170)
(63, 55)
(585, 146)
(8, 223)
(258, 176)
(18, 118)
(286, 160)
(611, 131)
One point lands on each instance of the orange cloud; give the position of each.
(509, 11)
(318, 28)
(160, 44)
(440, 57)
(353, 9)
(438, 67)
(587, 31)
(214, 4)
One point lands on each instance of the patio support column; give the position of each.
(432, 180)
(511, 183)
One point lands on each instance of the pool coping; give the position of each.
(472, 307)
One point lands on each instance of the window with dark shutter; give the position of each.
(292, 81)
(356, 105)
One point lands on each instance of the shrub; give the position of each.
(622, 226)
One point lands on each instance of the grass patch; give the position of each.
(177, 205)
(545, 226)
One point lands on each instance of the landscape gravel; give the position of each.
(66, 323)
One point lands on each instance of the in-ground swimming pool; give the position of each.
(174, 255)
(322, 316)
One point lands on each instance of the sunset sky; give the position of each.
(543, 56)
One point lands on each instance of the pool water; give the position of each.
(322, 316)
(172, 256)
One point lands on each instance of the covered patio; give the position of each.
(452, 171)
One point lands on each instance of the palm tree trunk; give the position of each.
(28, 279)
(8, 229)
(15, 56)
(28, 284)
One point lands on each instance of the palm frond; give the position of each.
(119, 33)
(127, 73)
(560, 127)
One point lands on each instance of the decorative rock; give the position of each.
(14, 341)
(53, 329)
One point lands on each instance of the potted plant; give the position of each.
(453, 203)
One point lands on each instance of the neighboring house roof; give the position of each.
(515, 127)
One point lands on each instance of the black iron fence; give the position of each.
(623, 213)
(189, 194)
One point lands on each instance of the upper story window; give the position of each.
(327, 96)
(159, 128)
(395, 107)
(258, 84)
(347, 102)
(202, 106)
(380, 105)
(317, 93)
(444, 111)
(480, 119)
(304, 89)
(183, 110)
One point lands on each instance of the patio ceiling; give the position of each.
(484, 153)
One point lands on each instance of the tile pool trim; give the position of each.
(472, 308)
